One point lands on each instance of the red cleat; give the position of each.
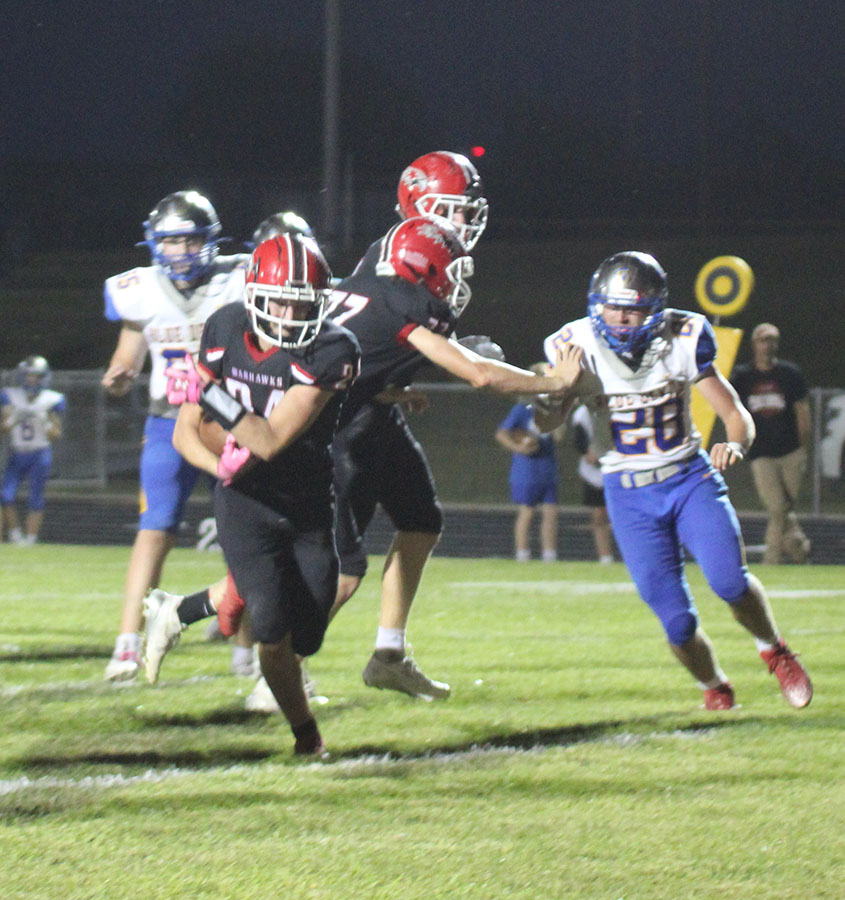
(720, 697)
(795, 683)
(231, 609)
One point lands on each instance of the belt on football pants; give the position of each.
(650, 476)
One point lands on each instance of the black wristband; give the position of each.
(220, 406)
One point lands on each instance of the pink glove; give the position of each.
(232, 458)
(183, 381)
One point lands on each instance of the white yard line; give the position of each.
(362, 764)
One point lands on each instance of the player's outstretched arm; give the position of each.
(739, 426)
(492, 374)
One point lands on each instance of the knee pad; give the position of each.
(680, 628)
(730, 586)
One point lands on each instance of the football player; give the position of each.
(663, 492)
(31, 413)
(163, 308)
(275, 373)
(287, 222)
(402, 302)
(445, 186)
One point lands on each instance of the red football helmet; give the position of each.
(429, 252)
(446, 186)
(291, 271)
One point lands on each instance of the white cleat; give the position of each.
(163, 629)
(123, 666)
(261, 698)
(403, 675)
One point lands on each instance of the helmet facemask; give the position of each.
(457, 271)
(287, 331)
(629, 341)
(448, 206)
(183, 267)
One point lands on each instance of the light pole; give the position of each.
(331, 155)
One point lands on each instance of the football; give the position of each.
(213, 435)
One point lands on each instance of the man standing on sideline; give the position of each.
(775, 393)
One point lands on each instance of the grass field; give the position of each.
(573, 759)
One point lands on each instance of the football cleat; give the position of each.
(720, 697)
(403, 675)
(794, 681)
(123, 666)
(261, 698)
(308, 741)
(162, 630)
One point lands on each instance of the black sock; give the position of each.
(195, 607)
(307, 736)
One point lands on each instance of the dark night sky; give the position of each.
(101, 81)
(592, 113)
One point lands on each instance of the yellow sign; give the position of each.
(727, 343)
(724, 285)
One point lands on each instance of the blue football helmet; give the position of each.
(634, 280)
(33, 375)
(183, 214)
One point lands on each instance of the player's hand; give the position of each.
(726, 454)
(118, 379)
(528, 444)
(567, 366)
(231, 460)
(184, 383)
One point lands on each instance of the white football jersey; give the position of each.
(31, 417)
(172, 321)
(642, 419)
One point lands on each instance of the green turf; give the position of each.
(573, 759)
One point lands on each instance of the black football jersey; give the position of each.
(302, 473)
(381, 312)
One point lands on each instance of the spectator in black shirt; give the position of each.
(775, 393)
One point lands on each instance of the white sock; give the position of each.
(15, 535)
(763, 645)
(523, 555)
(720, 678)
(549, 555)
(128, 642)
(390, 639)
(605, 560)
(241, 656)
